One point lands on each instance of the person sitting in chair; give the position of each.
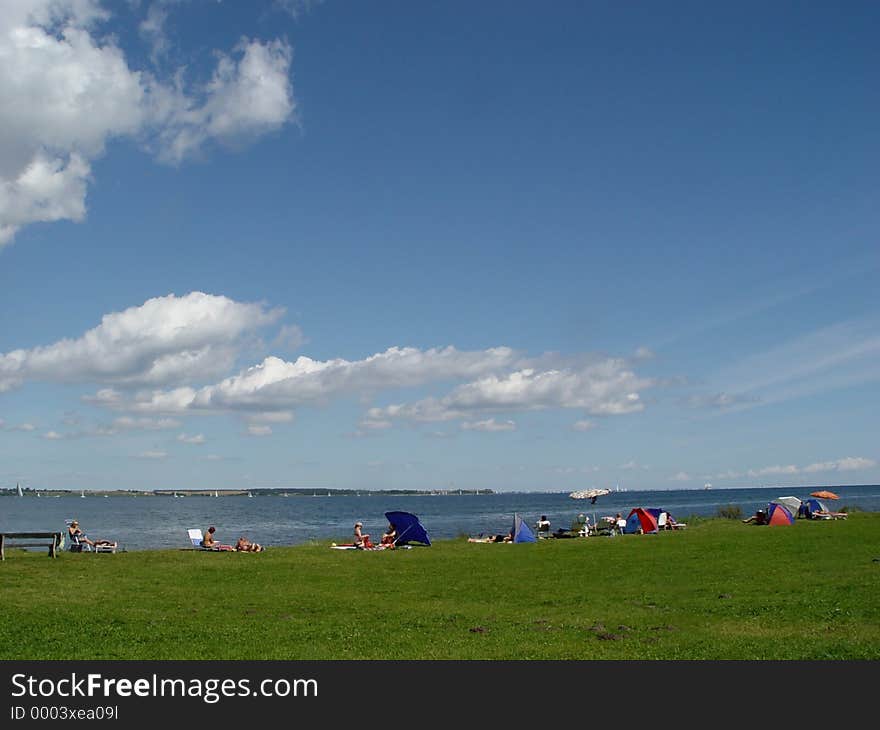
(78, 537)
(543, 526)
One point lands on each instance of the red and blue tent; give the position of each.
(778, 514)
(641, 519)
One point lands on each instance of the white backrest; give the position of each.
(195, 536)
(661, 520)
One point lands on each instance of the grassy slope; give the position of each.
(719, 590)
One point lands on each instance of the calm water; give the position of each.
(142, 523)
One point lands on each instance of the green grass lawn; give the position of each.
(718, 590)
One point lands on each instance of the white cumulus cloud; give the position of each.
(604, 387)
(67, 88)
(277, 384)
(165, 340)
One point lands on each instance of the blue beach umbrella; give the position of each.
(408, 528)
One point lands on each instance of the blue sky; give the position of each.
(512, 246)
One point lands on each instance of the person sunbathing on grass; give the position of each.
(759, 518)
(492, 538)
(243, 545)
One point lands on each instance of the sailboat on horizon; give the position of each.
(82, 493)
(18, 487)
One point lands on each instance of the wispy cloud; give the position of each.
(127, 423)
(152, 455)
(255, 430)
(195, 440)
(838, 356)
(584, 425)
(848, 463)
(25, 427)
(720, 400)
(489, 425)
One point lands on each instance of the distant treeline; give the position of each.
(258, 492)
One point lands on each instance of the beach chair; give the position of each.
(109, 547)
(75, 543)
(663, 521)
(195, 538)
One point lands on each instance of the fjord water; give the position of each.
(161, 522)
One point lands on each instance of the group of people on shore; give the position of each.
(363, 542)
(78, 537)
(242, 545)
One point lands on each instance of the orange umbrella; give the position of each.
(824, 494)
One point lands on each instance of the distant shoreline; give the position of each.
(306, 492)
(258, 492)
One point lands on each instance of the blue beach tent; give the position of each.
(521, 531)
(813, 505)
(408, 527)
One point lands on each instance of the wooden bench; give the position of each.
(51, 540)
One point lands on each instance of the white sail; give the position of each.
(18, 486)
